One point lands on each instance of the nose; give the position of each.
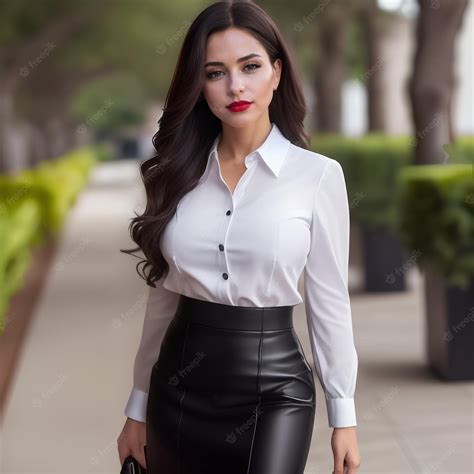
(236, 85)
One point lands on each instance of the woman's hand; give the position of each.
(131, 441)
(345, 450)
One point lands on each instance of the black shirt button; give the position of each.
(221, 247)
(228, 213)
(225, 276)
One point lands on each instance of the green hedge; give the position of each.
(437, 218)
(57, 184)
(18, 231)
(33, 205)
(462, 150)
(371, 165)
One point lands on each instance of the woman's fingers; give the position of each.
(131, 441)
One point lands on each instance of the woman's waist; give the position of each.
(243, 318)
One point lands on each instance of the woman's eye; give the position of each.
(209, 75)
(253, 64)
(213, 74)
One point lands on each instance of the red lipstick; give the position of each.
(239, 106)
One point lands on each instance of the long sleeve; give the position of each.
(160, 308)
(327, 304)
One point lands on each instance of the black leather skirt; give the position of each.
(230, 393)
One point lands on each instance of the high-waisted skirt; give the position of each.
(231, 393)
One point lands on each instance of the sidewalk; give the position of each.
(65, 410)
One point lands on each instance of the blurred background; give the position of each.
(388, 85)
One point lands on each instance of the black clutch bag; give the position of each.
(132, 466)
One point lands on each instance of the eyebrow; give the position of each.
(244, 58)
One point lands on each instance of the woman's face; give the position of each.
(251, 79)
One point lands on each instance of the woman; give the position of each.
(237, 208)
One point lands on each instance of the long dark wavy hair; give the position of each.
(187, 127)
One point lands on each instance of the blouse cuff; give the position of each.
(341, 412)
(136, 405)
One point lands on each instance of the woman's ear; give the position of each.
(276, 73)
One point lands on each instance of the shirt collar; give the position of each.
(273, 150)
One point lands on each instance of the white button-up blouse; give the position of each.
(289, 213)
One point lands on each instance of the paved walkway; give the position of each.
(66, 407)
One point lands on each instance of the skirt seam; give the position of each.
(181, 402)
(257, 408)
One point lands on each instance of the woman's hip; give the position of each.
(249, 351)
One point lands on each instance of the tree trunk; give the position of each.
(432, 84)
(6, 120)
(331, 40)
(36, 144)
(373, 23)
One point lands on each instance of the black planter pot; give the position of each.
(449, 328)
(385, 261)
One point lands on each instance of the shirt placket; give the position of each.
(228, 222)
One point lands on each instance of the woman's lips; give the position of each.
(239, 106)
